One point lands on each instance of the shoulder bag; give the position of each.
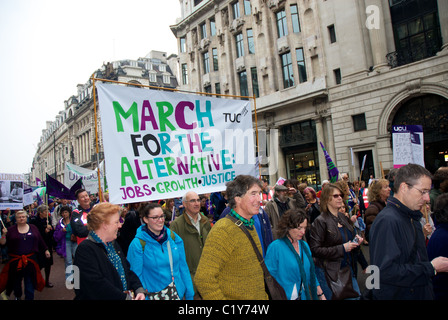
(274, 290)
(170, 291)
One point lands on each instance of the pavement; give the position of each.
(362, 277)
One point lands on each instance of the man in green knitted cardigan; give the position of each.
(229, 267)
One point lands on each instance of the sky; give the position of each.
(48, 47)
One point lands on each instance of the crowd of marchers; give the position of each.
(228, 245)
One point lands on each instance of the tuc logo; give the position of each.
(399, 128)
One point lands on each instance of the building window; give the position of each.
(295, 19)
(288, 75)
(203, 28)
(236, 10)
(166, 79)
(250, 41)
(243, 84)
(301, 64)
(152, 77)
(212, 27)
(282, 28)
(184, 73)
(183, 44)
(359, 122)
(418, 38)
(337, 76)
(196, 2)
(254, 76)
(217, 89)
(206, 60)
(215, 59)
(239, 45)
(247, 9)
(332, 33)
(208, 89)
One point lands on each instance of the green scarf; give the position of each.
(247, 223)
(311, 293)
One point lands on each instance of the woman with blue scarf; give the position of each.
(102, 269)
(289, 258)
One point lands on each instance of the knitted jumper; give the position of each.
(229, 267)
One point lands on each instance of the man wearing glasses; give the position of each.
(193, 227)
(397, 244)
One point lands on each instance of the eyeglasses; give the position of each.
(162, 217)
(337, 195)
(423, 192)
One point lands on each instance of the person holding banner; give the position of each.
(43, 224)
(79, 215)
(24, 244)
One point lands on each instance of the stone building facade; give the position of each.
(71, 137)
(336, 72)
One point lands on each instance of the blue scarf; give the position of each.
(113, 257)
(311, 289)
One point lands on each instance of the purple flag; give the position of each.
(57, 189)
(333, 172)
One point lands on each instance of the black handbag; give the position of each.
(340, 283)
(273, 289)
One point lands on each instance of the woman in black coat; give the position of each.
(103, 271)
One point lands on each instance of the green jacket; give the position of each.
(193, 242)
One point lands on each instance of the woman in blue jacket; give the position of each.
(157, 256)
(289, 258)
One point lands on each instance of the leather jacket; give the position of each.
(326, 241)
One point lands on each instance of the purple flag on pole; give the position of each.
(57, 189)
(333, 172)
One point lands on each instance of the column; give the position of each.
(276, 156)
(323, 171)
(377, 36)
(443, 19)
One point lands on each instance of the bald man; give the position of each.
(193, 227)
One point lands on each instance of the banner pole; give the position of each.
(256, 136)
(100, 191)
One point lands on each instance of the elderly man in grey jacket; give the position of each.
(281, 203)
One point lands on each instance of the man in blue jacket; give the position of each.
(397, 243)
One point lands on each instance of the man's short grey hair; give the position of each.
(184, 197)
(410, 174)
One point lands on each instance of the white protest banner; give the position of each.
(408, 145)
(72, 173)
(161, 144)
(11, 191)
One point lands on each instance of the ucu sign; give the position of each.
(399, 128)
